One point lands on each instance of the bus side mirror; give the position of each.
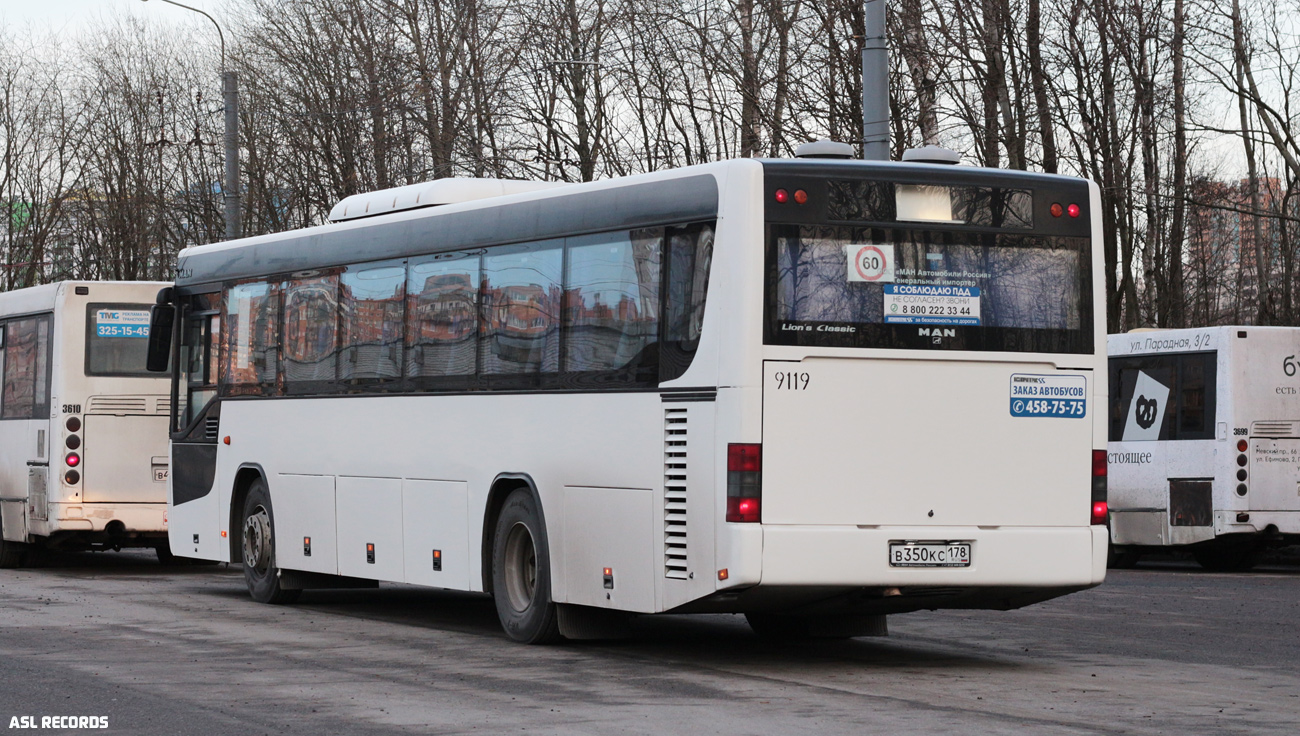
(161, 319)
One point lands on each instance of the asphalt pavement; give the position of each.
(1166, 648)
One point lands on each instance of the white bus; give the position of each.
(1205, 442)
(83, 425)
(813, 391)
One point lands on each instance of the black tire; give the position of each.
(521, 572)
(1122, 558)
(165, 556)
(1228, 555)
(12, 554)
(258, 525)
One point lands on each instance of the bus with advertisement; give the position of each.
(83, 424)
(816, 392)
(1204, 443)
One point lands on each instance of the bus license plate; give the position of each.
(160, 474)
(929, 554)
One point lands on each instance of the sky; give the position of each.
(69, 14)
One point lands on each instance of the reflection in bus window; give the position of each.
(250, 339)
(442, 333)
(611, 312)
(310, 331)
(26, 393)
(371, 312)
(521, 294)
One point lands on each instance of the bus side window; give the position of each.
(442, 315)
(611, 304)
(251, 325)
(26, 386)
(310, 355)
(371, 311)
(198, 357)
(1196, 396)
(689, 258)
(520, 307)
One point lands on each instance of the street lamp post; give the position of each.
(230, 95)
(875, 83)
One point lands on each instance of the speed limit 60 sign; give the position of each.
(870, 262)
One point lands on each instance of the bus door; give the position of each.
(24, 422)
(195, 426)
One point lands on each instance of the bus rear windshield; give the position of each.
(838, 286)
(117, 340)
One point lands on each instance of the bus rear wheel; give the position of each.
(260, 572)
(521, 572)
(1228, 555)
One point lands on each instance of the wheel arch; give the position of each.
(244, 478)
(502, 486)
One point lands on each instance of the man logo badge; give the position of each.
(936, 334)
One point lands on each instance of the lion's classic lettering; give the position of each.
(787, 327)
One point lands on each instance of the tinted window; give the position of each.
(371, 310)
(689, 259)
(611, 311)
(250, 340)
(26, 383)
(871, 287)
(606, 310)
(876, 201)
(117, 339)
(311, 310)
(442, 315)
(1162, 397)
(520, 327)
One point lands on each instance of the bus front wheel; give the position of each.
(521, 572)
(260, 572)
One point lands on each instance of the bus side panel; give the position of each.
(610, 529)
(370, 528)
(435, 528)
(305, 533)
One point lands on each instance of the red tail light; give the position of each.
(744, 458)
(1100, 510)
(748, 510)
(744, 482)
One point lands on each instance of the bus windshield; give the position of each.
(843, 286)
(117, 339)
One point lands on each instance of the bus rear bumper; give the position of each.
(1047, 557)
(96, 517)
